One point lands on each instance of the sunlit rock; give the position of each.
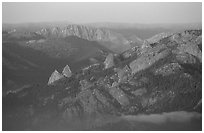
(67, 72)
(109, 62)
(146, 61)
(54, 77)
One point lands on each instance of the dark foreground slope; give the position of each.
(159, 81)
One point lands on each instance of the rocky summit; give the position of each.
(67, 72)
(57, 76)
(109, 62)
(54, 77)
(166, 76)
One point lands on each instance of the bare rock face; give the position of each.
(109, 62)
(67, 72)
(54, 77)
(158, 37)
(146, 61)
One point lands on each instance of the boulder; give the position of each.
(109, 62)
(54, 77)
(67, 72)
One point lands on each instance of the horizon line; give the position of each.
(100, 22)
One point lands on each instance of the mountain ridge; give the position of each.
(157, 78)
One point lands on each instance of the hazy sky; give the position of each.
(103, 12)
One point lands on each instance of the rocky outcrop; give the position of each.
(67, 72)
(109, 62)
(119, 95)
(54, 77)
(158, 37)
(146, 61)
